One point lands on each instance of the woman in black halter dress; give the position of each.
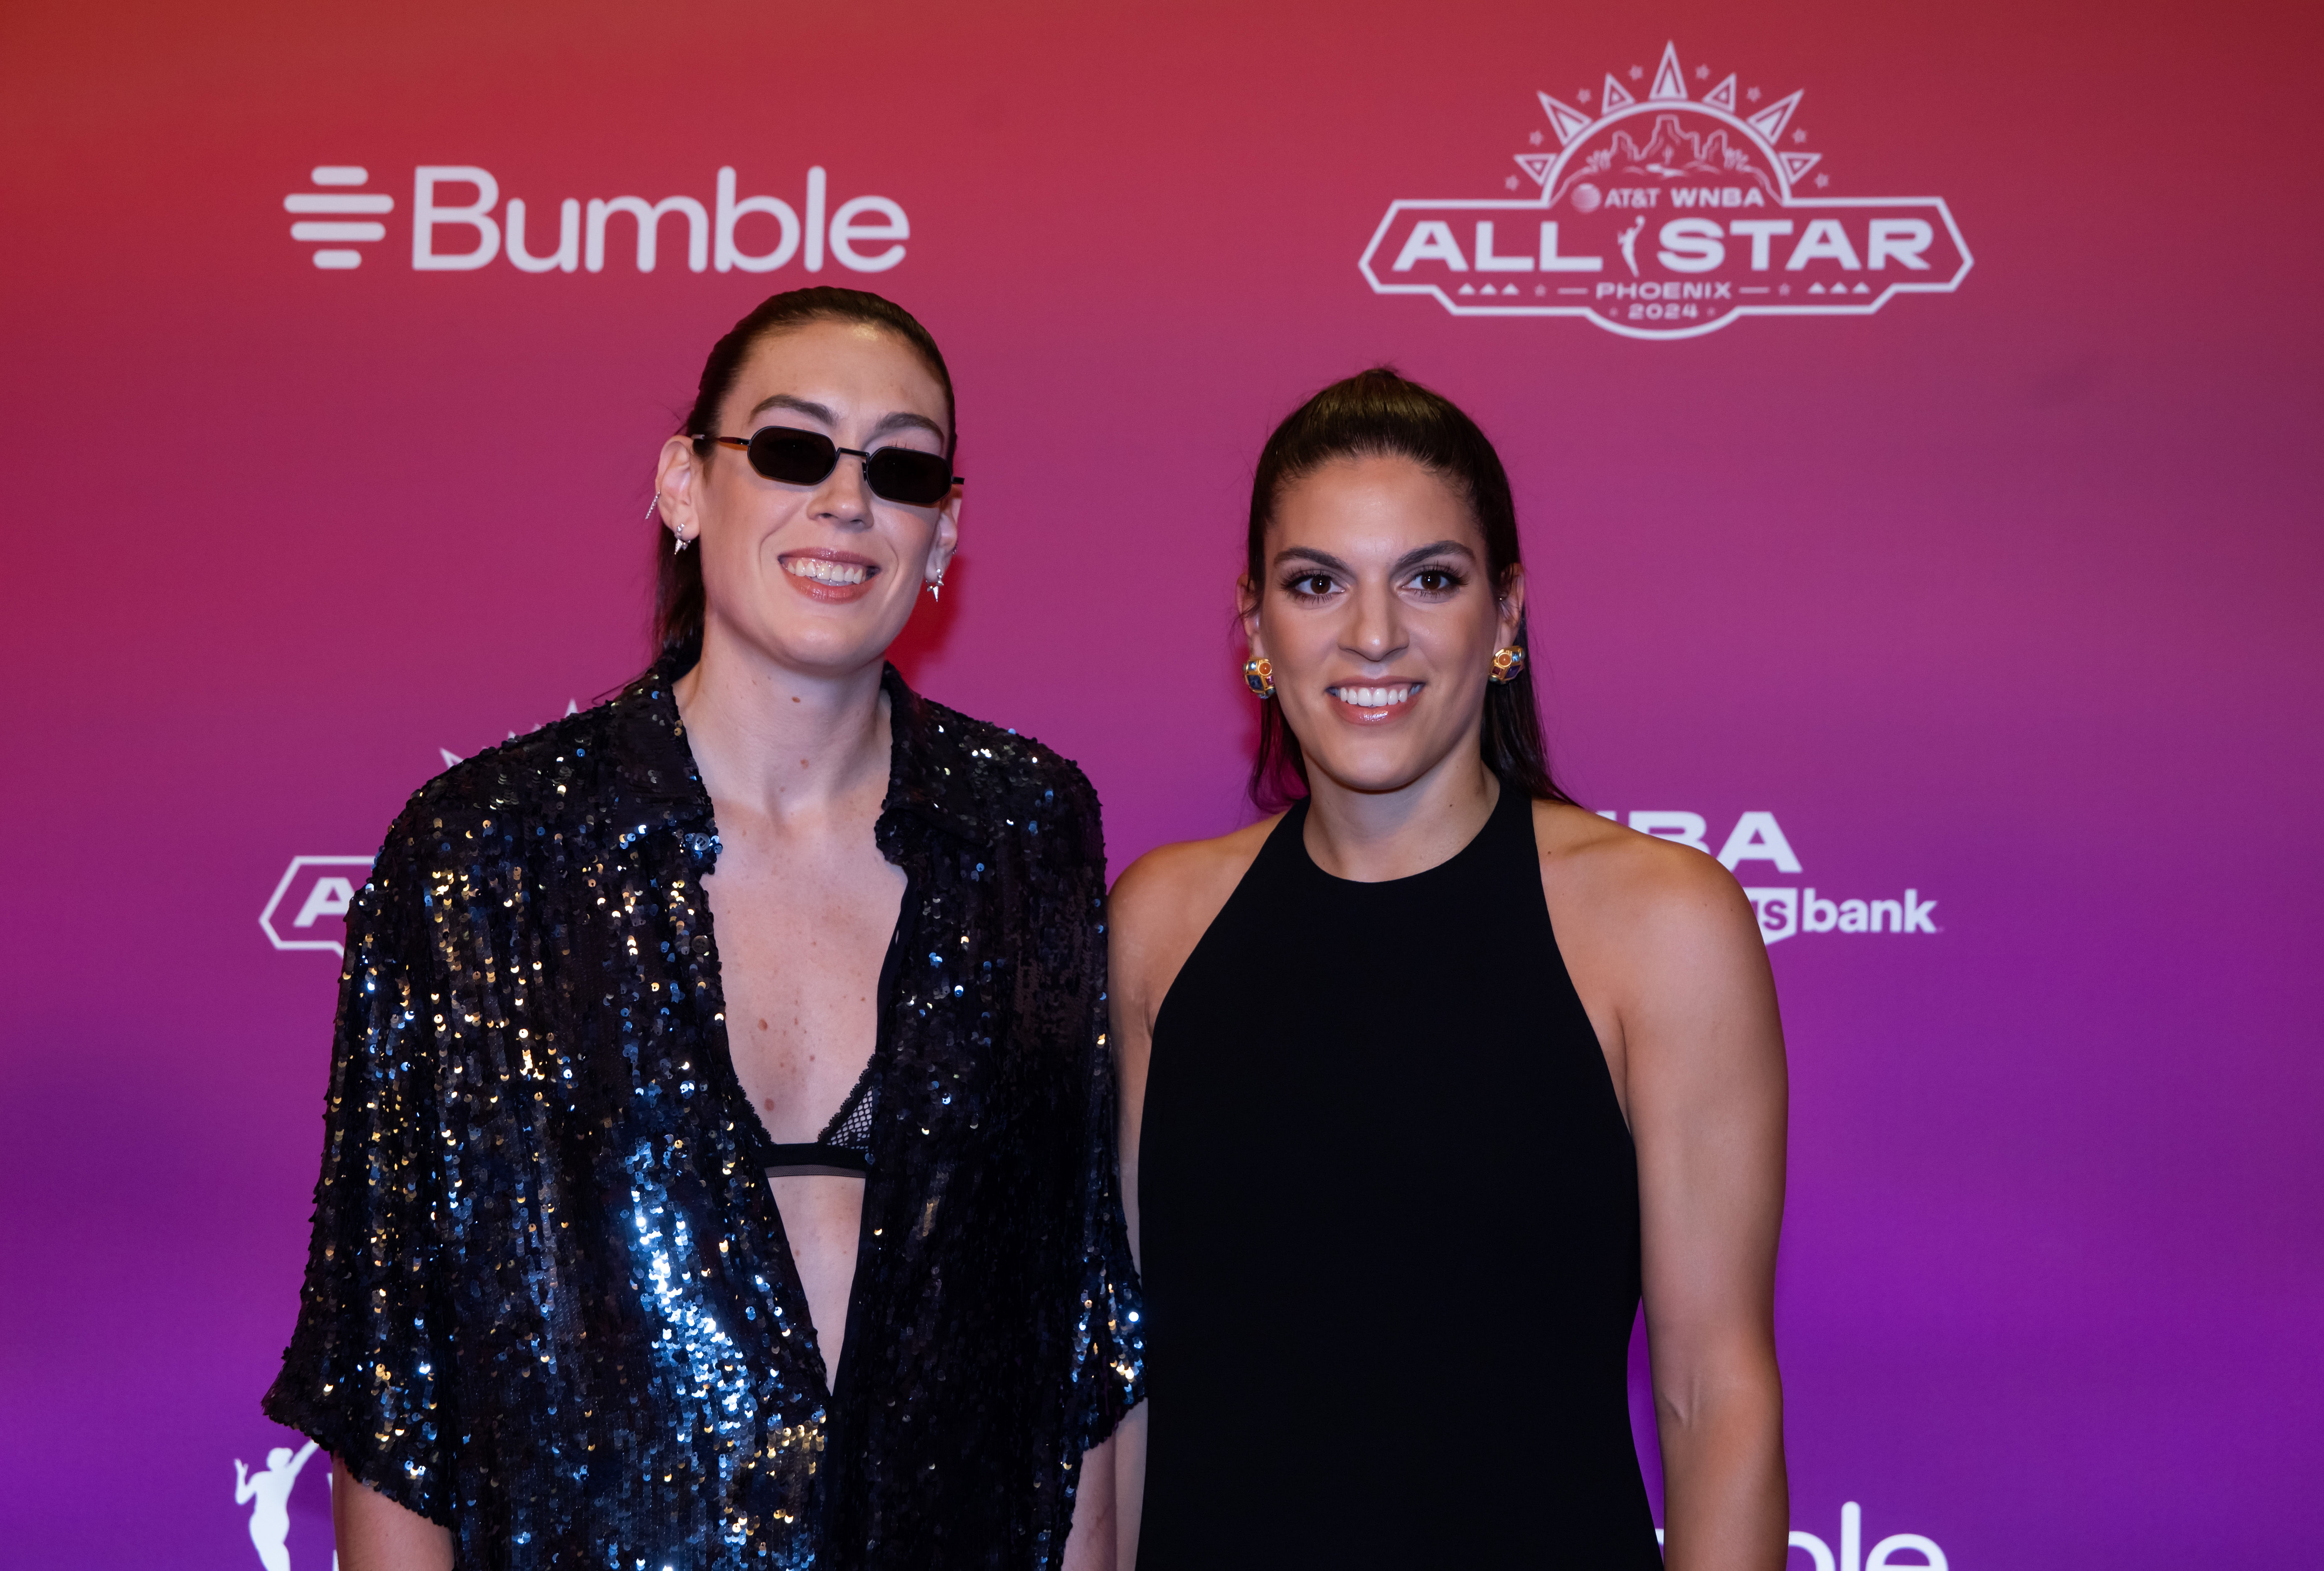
(1403, 1147)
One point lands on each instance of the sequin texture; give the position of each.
(547, 1302)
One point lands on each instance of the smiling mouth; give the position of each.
(837, 574)
(1384, 696)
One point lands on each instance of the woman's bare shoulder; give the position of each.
(1636, 887)
(1165, 902)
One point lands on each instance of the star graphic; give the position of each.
(1536, 139)
(1637, 72)
(1799, 136)
(1823, 179)
(1702, 73)
(1511, 182)
(1753, 94)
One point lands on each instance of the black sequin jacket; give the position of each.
(548, 1301)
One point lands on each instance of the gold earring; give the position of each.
(1258, 675)
(1507, 661)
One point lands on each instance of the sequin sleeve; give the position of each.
(368, 1372)
(1109, 1376)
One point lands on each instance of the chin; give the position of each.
(833, 640)
(1371, 771)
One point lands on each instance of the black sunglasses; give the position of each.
(798, 458)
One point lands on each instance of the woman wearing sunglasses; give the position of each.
(1422, 1078)
(720, 1160)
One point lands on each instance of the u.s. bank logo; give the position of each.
(1787, 911)
(1668, 215)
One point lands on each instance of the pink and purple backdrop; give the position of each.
(2006, 596)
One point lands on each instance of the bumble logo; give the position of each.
(1852, 1556)
(342, 201)
(460, 224)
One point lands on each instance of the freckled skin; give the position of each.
(779, 890)
(796, 802)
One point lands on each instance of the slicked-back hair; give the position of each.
(1377, 413)
(680, 605)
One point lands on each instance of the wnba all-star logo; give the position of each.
(1663, 215)
(310, 905)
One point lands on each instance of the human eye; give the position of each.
(1310, 587)
(1436, 580)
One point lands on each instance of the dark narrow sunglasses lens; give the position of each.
(913, 479)
(792, 456)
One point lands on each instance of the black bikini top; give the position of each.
(843, 1149)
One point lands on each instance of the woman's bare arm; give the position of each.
(1703, 1059)
(1663, 948)
(1159, 909)
(1133, 1041)
(375, 1534)
(1090, 1544)
(1129, 1486)
(1142, 901)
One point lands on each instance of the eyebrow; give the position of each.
(1404, 564)
(1309, 554)
(1413, 558)
(901, 420)
(807, 407)
(905, 421)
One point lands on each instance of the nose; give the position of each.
(1374, 633)
(844, 497)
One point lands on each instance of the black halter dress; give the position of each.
(1388, 1210)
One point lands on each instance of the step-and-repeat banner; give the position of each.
(1912, 417)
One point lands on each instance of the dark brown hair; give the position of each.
(1377, 413)
(679, 605)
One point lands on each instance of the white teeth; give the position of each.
(1373, 697)
(823, 572)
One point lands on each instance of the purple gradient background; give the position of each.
(2011, 596)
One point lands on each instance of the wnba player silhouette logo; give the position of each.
(1629, 241)
(268, 1495)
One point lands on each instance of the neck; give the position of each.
(1369, 837)
(778, 741)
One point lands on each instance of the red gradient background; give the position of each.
(2009, 594)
